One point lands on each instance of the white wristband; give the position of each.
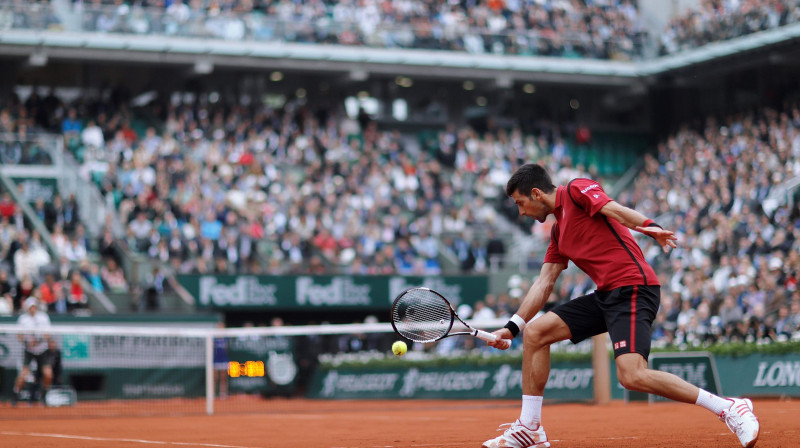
(519, 321)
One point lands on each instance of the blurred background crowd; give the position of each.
(215, 184)
(598, 29)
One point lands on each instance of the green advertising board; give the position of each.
(567, 381)
(33, 188)
(125, 383)
(698, 368)
(304, 292)
(761, 375)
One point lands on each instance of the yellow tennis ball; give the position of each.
(399, 348)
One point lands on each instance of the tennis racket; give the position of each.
(423, 315)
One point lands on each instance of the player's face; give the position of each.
(531, 205)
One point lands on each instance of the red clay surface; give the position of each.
(393, 424)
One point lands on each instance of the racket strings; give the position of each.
(421, 315)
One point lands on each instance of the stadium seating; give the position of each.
(578, 29)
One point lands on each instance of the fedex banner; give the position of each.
(329, 292)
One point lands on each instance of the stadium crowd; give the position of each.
(290, 190)
(27, 268)
(717, 20)
(224, 188)
(599, 29)
(310, 190)
(59, 278)
(594, 29)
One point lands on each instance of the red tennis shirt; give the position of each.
(601, 247)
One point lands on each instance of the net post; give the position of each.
(601, 367)
(210, 374)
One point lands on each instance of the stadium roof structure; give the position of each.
(85, 46)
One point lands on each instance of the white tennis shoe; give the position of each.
(518, 436)
(741, 420)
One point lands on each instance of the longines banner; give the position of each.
(304, 292)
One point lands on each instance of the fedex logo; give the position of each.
(590, 187)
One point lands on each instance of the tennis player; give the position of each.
(36, 348)
(591, 230)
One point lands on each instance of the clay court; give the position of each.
(393, 424)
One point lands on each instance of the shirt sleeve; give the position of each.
(553, 255)
(588, 194)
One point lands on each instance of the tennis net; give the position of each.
(121, 370)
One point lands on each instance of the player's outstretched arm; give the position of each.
(634, 220)
(533, 302)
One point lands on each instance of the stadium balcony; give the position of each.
(563, 32)
(616, 31)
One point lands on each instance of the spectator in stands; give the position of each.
(75, 252)
(153, 291)
(51, 294)
(113, 277)
(7, 206)
(92, 138)
(795, 315)
(25, 289)
(495, 250)
(59, 239)
(77, 300)
(482, 311)
(8, 234)
(71, 125)
(26, 261)
(7, 289)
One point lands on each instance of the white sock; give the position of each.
(531, 414)
(712, 402)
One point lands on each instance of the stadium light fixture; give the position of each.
(468, 85)
(400, 109)
(276, 76)
(203, 66)
(358, 75)
(403, 81)
(504, 82)
(38, 59)
(529, 88)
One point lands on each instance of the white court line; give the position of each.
(110, 439)
(461, 444)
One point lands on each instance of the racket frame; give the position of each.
(480, 334)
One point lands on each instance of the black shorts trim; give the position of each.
(626, 313)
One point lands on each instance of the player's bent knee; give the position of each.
(534, 337)
(633, 379)
(546, 330)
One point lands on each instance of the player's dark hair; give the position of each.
(528, 177)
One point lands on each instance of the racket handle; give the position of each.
(488, 337)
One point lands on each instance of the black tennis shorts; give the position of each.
(42, 359)
(626, 313)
